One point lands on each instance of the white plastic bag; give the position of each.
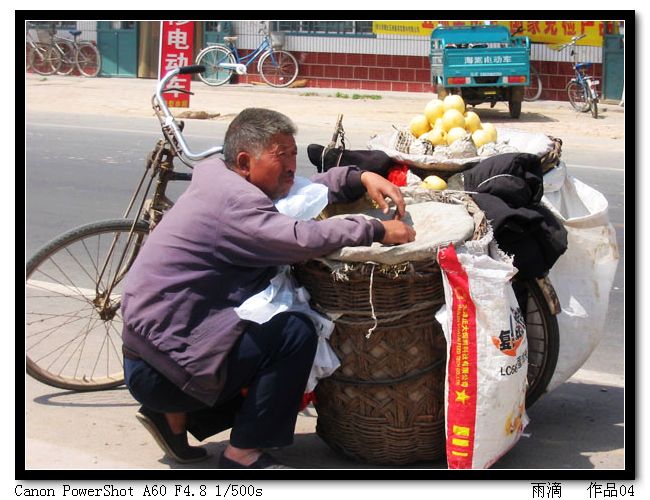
(304, 201)
(584, 274)
(283, 295)
(487, 361)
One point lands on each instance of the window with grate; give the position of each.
(61, 25)
(324, 28)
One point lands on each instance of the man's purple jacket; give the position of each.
(219, 245)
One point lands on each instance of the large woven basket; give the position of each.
(385, 404)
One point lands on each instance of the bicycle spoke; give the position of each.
(65, 344)
(52, 329)
(73, 329)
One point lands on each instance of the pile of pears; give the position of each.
(445, 121)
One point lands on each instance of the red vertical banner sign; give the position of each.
(461, 368)
(176, 49)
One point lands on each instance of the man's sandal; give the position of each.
(174, 445)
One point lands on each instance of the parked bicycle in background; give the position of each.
(533, 91)
(61, 55)
(581, 89)
(277, 67)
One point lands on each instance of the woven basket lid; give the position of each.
(436, 224)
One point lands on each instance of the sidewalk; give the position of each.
(365, 115)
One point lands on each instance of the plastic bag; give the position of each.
(584, 274)
(304, 201)
(487, 361)
(283, 295)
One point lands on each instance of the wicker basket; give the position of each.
(385, 404)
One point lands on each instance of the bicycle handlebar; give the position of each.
(170, 122)
(573, 41)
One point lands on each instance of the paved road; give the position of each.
(578, 426)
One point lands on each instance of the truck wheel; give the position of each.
(515, 109)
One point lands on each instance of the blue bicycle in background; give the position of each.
(582, 88)
(277, 67)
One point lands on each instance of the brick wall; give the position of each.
(555, 76)
(401, 73)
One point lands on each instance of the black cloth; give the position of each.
(365, 159)
(509, 189)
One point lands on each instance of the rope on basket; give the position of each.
(372, 307)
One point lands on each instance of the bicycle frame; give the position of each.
(580, 68)
(264, 46)
(160, 166)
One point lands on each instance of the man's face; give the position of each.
(273, 171)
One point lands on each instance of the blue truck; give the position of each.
(482, 63)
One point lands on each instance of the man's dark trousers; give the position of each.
(271, 361)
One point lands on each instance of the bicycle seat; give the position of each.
(583, 65)
(230, 38)
(75, 32)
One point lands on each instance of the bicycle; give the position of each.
(533, 90)
(42, 57)
(581, 89)
(62, 55)
(277, 67)
(73, 283)
(83, 55)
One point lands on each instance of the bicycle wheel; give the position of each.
(71, 341)
(278, 68)
(88, 59)
(543, 338)
(577, 96)
(534, 90)
(67, 57)
(45, 59)
(594, 108)
(28, 56)
(211, 57)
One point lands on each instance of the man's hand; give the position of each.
(379, 188)
(397, 232)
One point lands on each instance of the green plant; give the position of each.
(366, 96)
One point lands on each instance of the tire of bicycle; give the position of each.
(281, 78)
(534, 90)
(211, 57)
(66, 340)
(88, 59)
(46, 60)
(543, 340)
(577, 96)
(593, 103)
(28, 56)
(68, 62)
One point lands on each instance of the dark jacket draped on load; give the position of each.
(509, 188)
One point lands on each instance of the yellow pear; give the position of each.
(454, 101)
(434, 182)
(434, 110)
(452, 118)
(491, 129)
(454, 134)
(419, 125)
(436, 136)
(481, 137)
(472, 121)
